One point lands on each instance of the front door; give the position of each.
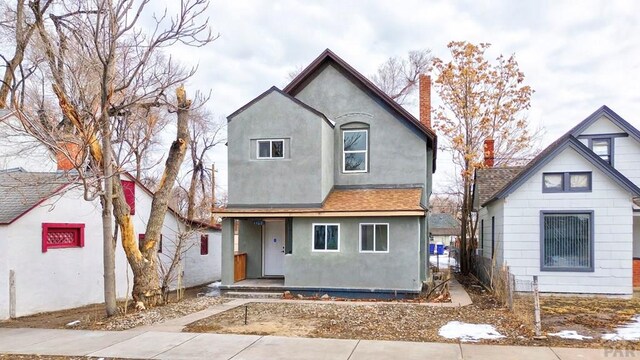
(273, 247)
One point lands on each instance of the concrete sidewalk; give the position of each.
(168, 345)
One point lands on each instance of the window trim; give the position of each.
(270, 157)
(374, 251)
(566, 182)
(365, 151)
(482, 235)
(204, 239)
(313, 239)
(609, 140)
(79, 242)
(591, 214)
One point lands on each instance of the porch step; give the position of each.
(252, 295)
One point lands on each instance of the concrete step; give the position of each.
(252, 295)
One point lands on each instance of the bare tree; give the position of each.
(205, 134)
(398, 77)
(101, 67)
(16, 23)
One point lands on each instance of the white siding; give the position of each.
(626, 151)
(613, 230)
(71, 277)
(636, 236)
(626, 158)
(4, 275)
(496, 210)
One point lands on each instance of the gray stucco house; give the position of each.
(329, 181)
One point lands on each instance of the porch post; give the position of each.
(227, 251)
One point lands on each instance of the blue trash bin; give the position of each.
(440, 248)
(432, 249)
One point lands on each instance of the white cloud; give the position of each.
(576, 55)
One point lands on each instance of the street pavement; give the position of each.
(176, 345)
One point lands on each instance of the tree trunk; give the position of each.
(109, 249)
(191, 195)
(143, 260)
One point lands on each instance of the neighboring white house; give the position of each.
(51, 240)
(571, 215)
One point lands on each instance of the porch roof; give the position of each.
(345, 202)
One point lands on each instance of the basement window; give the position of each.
(58, 236)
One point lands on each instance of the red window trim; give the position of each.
(129, 189)
(79, 243)
(204, 244)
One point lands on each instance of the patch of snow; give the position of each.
(630, 331)
(570, 334)
(468, 332)
(444, 262)
(212, 290)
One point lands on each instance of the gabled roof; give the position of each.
(22, 191)
(557, 147)
(489, 181)
(443, 224)
(328, 56)
(275, 89)
(609, 114)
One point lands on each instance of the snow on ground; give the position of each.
(213, 289)
(570, 334)
(468, 332)
(443, 263)
(630, 331)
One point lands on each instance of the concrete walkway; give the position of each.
(167, 345)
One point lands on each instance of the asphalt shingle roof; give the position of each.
(491, 180)
(20, 191)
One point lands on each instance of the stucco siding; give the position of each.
(295, 179)
(397, 152)
(399, 269)
(612, 230)
(250, 243)
(328, 161)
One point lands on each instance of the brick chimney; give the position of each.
(68, 155)
(489, 153)
(425, 100)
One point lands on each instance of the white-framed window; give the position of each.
(326, 237)
(374, 238)
(355, 151)
(270, 149)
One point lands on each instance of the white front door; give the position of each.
(273, 247)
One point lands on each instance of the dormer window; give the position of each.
(602, 148)
(270, 149)
(355, 151)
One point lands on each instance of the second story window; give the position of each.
(270, 149)
(355, 151)
(602, 148)
(566, 182)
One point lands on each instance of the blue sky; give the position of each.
(577, 55)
